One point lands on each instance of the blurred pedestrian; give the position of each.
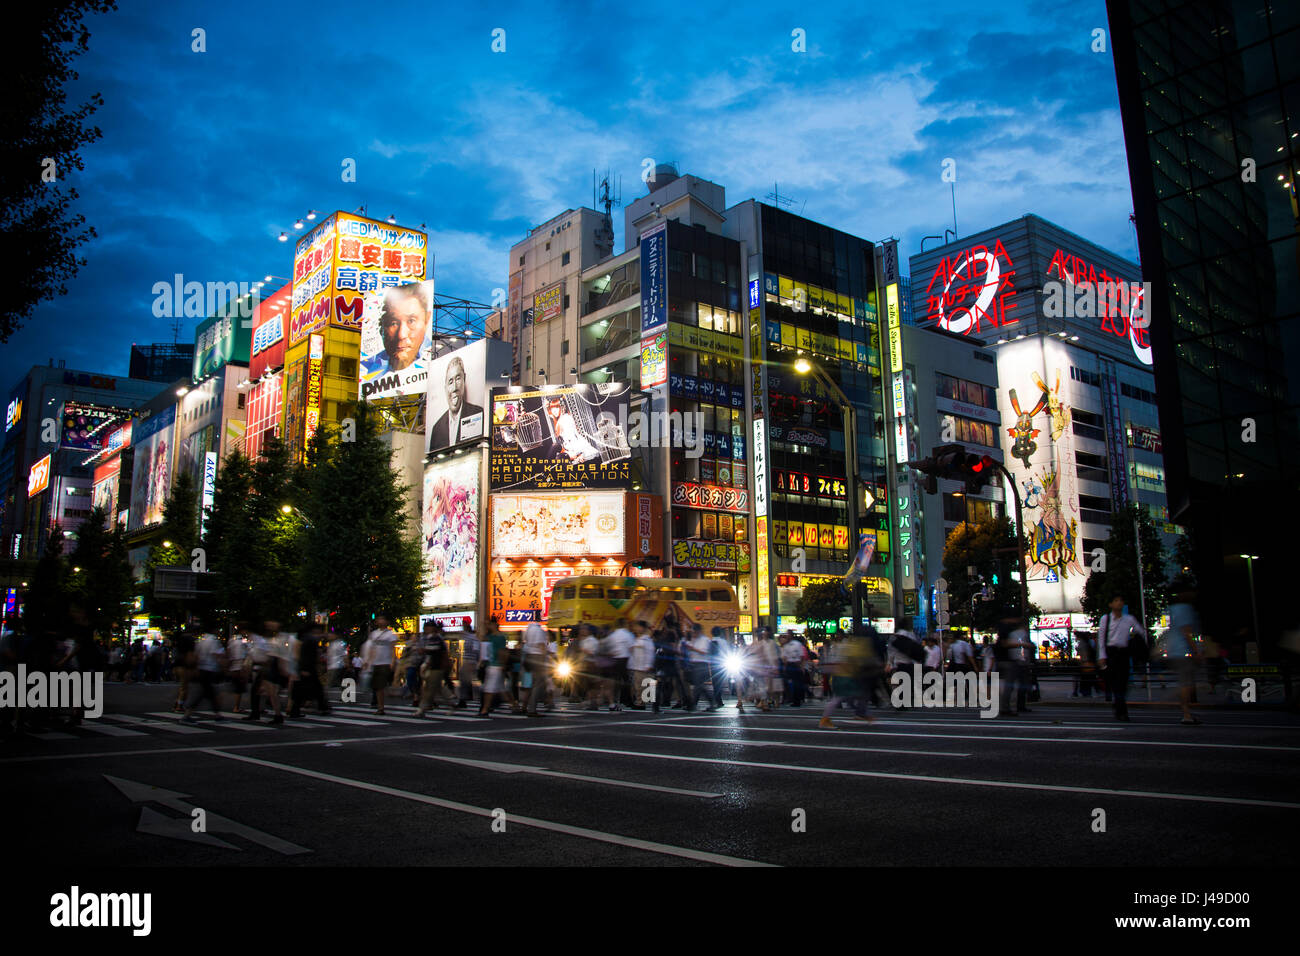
(1113, 650)
(1183, 649)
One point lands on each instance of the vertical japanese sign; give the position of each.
(312, 394)
(654, 360)
(209, 490)
(764, 571)
(654, 279)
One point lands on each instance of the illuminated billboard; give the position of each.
(1036, 397)
(151, 473)
(521, 594)
(458, 392)
(548, 303)
(541, 525)
(340, 261)
(969, 290)
(312, 391)
(219, 340)
(104, 490)
(269, 336)
(84, 425)
(449, 535)
(560, 437)
(396, 341)
(38, 478)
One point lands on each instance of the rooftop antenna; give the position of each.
(606, 191)
(785, 202)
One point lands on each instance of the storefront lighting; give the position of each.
(297, 224)
(284, 237)
(311, 214)
(391, 220)
(267, 278)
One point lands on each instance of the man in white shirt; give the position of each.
(378, 658)
(236, 655)
(641, 662)
(697, 656)
(1114, 653)
(963, 657)
(619, 644)
(933, 655)
(535, 665)
(337, 661)
(211, 655)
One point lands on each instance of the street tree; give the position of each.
(39, 236)
(101, 579)
(178, 536)
(988, 547)
(821, 604)
(360, 558)
(45, 606)
(1120, 574)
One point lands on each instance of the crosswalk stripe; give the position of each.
(223, 724)
(49, 735)
(331, 720)
(141, 722)
(108, 730)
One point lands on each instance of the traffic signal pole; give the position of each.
(1020, 549)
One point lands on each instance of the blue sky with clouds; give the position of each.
(206, 157)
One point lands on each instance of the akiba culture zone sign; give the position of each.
(971, 288)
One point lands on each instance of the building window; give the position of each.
(521, 260)
(1084, 376)
(243, 397)
(564, 259)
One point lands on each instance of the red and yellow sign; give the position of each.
(38, 479)
(761, 557)
(341, 260)
(315, 372)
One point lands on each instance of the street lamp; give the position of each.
(804, 366)
(1250, 576)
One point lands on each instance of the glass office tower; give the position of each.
(1210, 99)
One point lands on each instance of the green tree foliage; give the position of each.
(1121, 571)
(177, 539)
(360, 558)
(821, 604)
(45, 606)
(254, 545)
(101, 578)
(39, 237)
(978, 546)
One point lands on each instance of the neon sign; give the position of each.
(978, 276)
(1116, 298)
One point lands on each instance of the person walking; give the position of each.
(535, 661)
(379, 659)
(1114, 651)
(436, 661)
(469, 660)
(641, 661)
(237, 665)
(697, 651)
(793, 654)
(308, 685)
(665, 666)
(497, 656)
(210, 661)
(1182, 646)
(618, 648)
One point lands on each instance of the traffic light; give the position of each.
(978, 471)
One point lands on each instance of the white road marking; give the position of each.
(154, 724)
(549, 825)
(780, 743)
(225, 723)
(108, 730)
(919, 778)
(998, 738)
(48, 735)
(331, 720)
(543, 772)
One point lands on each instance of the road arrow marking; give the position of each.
(177, 828)
(144, 793)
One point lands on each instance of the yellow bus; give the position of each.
(602, 600)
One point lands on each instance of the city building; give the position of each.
(265, 386)
(1211, 115)
(952, 383)
(55, 419)
(161, 362)
(704, 316)
(1076, 406)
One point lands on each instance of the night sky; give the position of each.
(207, 157)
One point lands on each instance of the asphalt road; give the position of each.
(576, 788)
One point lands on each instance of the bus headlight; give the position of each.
(734, 664)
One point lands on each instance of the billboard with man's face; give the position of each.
(458, 392)
(396, 341)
